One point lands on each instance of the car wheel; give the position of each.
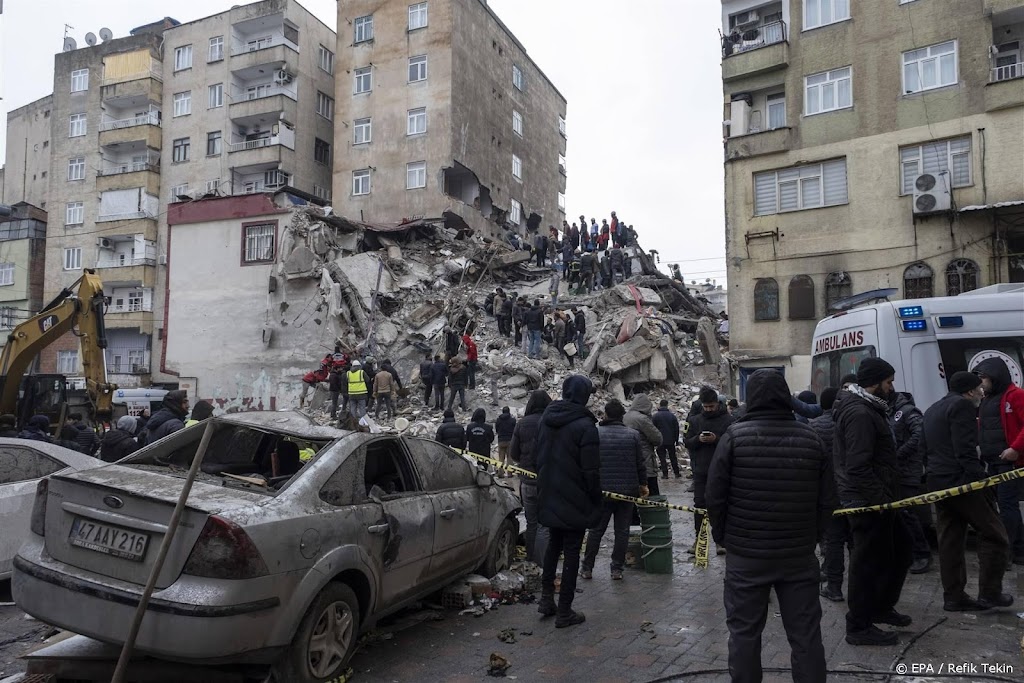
(502, 550)
(326, 638)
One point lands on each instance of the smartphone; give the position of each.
(706, 433)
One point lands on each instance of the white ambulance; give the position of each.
(926, 340)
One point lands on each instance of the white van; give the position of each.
(134, 401)
(926, 340)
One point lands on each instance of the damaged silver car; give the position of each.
(295, 539)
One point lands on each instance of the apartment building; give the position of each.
(22, 265)
(869, 145)
(26, 169)
(441, 112)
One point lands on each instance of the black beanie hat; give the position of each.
(962, 382)
(874, 371)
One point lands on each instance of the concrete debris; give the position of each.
(508, 581)
(497, 665)
(627, 355)
(648, 297)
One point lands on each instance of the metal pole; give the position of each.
(129, 643)
(371, 343)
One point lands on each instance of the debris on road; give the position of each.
(498, 665)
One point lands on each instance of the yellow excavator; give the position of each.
(80, 312)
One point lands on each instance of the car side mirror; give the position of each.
(483, 478)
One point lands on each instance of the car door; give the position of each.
(450, 480)
(21, 468)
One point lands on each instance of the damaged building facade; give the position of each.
(441, 113)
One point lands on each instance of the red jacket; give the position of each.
(1012, 411)
(470, 347)
(316, 376)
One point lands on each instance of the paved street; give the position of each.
(686, 633)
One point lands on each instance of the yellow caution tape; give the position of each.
(936, 496)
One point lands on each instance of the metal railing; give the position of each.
(126, 368)
(132, 167)
(254, 144)
(124, 216)
(1007, 72)
(255, 43)
(240, 94)
(149, 119)
(130, 308)
(126, 263)
(754, 38)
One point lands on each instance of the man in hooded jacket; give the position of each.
(120, 441)
(37, 429)
(703, 433)
(770, 495)
(523, 451)
(639, 418)
(569, 491)
(479, 434)
(168, 419)
(450, 432)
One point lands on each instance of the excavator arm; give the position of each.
(81, 313)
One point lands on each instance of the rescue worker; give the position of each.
(384, 391)
(358, 389)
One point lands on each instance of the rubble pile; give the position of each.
(392, 291)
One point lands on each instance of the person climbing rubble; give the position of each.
(534, 320)
(438, 379)
(471, 360)
(310, 381)
(457, 377)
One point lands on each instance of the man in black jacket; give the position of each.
(668, 424)
(908, 429)
(770, 495)
(457, 378)
(439, 377)
(120, 441)
(703, 433)
(867, 473)
(523, 451)
(426, 378)
(504, 426)
(951, 440)
(168, 419)
(534, 321)
(580, 319)
(622, 471)
(450, 432)
(837, 532)
(569, 491)
(479, 434)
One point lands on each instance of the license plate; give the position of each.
(111, 540)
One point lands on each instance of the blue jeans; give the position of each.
(534, 336)
(357, 406)
(1008, 494)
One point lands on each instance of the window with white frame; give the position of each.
(417, 16)
(361, 182)
(213, 143)
(417, 68)
(74, 213)
(259, 243)
(517, 77)
(517, 123)
(828, 91)
(517, 167)
(136, 300)
(76, 168)
(322, 192)
(515, 215)
(561, 125)
(326, 60)
(364, 80)
(945, 156)
(417, 121)
(561, 163)
(930, 67)
(415, 175)
(776, 105)
(802, 187)
(179, 191)
(6, 274)
(362, 131)
(78, 126)
(561, 202)
(73, 258)
(823, 12)
(183, 103)
(324, 105)
(216, 49)
(79, 80)
(183, 57)
(363, 29)
(67, 362)
(213, 186)
(216, 96)
(7, 317)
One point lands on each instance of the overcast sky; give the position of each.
(644, 92)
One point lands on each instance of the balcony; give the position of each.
(146, 86)
(124, 365)
(142, 272)
(1005, 93)
(756, 51)
(258, 143)
(151, 118)
(268, 106)
(758, 144)
(124, 176)
(1007, 72)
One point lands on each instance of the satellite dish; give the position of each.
(106, 34)
(70, 44)
(90, 38)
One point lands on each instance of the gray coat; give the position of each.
(639, 418)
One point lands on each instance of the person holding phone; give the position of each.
(701, 439)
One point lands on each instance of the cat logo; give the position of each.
(46, 323)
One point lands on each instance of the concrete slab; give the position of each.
(648, 297)
(361, 271)
(510, 259)
(300, 261)
(617, 358)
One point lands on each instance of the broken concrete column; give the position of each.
(616, 389)
(674, 366)
(350, 295)
(595, 353)
(708, 342)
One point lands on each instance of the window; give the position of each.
(362, 131)
(322, 192)
(326, 60)
(417, 122)
(183, 57)
(444, 469)
(67, 362)
(179, 191)
(415, 175)
(417, 16)
(561, 163)
(364, 29)
(776, 105)
(766, 299)
(78, 126)
(216, 95)
(802, 187)
(517, 167)
(76, 168)
(79, 80)
(324, 105)
(6, 318)
(73, 258)
(517, 77)
(961, 276)
(918, 281)
(180, 150)
(515, 216)
(417, 68)
(364, 80)
(322, 152)
(216, 49)
(801, 298)
(828, 91)
(930, 67)
(255, 92)
(213, 143)
(6, 274)
(561, 125)
(517, 123)
(361, 182)
(74, 213)
(259, 242)
(183, 103)
(213, 186)
(561, 202)
(837, 286)
(946, 156)
(822, 12)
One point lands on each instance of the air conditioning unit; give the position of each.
(162, 259)
(748, 18)
(105, 243)
(931, 193)
(282, 76)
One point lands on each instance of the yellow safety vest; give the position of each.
(356, 383)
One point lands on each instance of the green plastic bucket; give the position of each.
(657, 557)
(662, 532)
(653, 515)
